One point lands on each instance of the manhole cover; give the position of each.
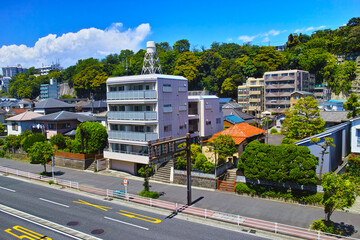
(97, 231)
(72, 223)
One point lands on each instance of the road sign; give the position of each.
(125, 181)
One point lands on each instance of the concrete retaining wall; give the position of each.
(195, 181)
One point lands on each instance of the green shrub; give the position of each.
(51, 182)
(242, 188)
(324, 226)
(180, 163)
(314, 198)
(2, 153)
(273, 131)
(148, 194)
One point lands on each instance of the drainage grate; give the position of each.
(72, 223)
(97, 231)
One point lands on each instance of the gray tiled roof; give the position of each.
(334, 116)
(52, 103)
(64, 115)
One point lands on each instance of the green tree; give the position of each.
(224, 146)
(11, 143)
(303, 120)
(182, 45)
(41, 152)
(284, 163)
(59, 141)
(187, 65)
(339, 193)
(146, 172)
(30, 140)
(340, 76)
(352, 104)
(270, 58)
(1, 128)
(66, 96)
(91, 137)
(328, 142)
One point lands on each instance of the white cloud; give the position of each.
(70, 47)
(309, 29)
(246, 38)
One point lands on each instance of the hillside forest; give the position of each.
(219, 69)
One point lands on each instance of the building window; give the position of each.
(167, 128)
(114, 127)
(113, 89)
(15, 126)
(208, 122)
(291, 74)
(52, 126)
(358, 137)
(218, 120)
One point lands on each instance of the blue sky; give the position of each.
(39, 32)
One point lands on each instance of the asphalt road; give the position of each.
(286, 213)
(10, 225)
(99, 218)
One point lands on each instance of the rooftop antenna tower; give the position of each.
(151, 60)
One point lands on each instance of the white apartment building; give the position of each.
(142, 108)
(205, 115)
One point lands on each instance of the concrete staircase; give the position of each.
(163, 172)
(231, 175)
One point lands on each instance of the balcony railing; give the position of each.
(129, 95)
(133, 136)
(131, 115)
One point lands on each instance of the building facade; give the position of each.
(205, 115)
(45, 69)
(143, 108)
(50, 90)
(251, 96)
(280, 84)
(12, 71)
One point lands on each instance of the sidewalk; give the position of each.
(286, 213)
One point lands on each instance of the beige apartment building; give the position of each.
(280, 84)
(251, 96)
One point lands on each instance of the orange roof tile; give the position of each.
(19, 110)
(240, 132)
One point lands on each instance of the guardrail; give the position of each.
(274, 227)
(61, 182)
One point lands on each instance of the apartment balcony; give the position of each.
(133, 136)
(131, 95)
(280, 86)
(254, 92)
(255, 100)
(277, 102)
(131, 115)
(280, 78)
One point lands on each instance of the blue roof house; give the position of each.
(341, 136)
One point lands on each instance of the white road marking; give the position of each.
(53, 202)
(115, 220)
(50, 228)
(7, 189)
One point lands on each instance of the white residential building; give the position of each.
(142, 108)
(205, 115)
(153, 106)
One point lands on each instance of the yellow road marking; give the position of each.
(28, 233)
(93, 205)
(142, 217)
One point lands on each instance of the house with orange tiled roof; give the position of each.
(242, 134)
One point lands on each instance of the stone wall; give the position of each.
(195, 181)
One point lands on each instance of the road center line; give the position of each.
(115, 220)
(53, 202)
(10, 190)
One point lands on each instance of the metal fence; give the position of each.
(274, 227)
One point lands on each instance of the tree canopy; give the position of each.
(218, 69)
(284, 163)
(303, 120)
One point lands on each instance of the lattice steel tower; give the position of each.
(151, 60)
